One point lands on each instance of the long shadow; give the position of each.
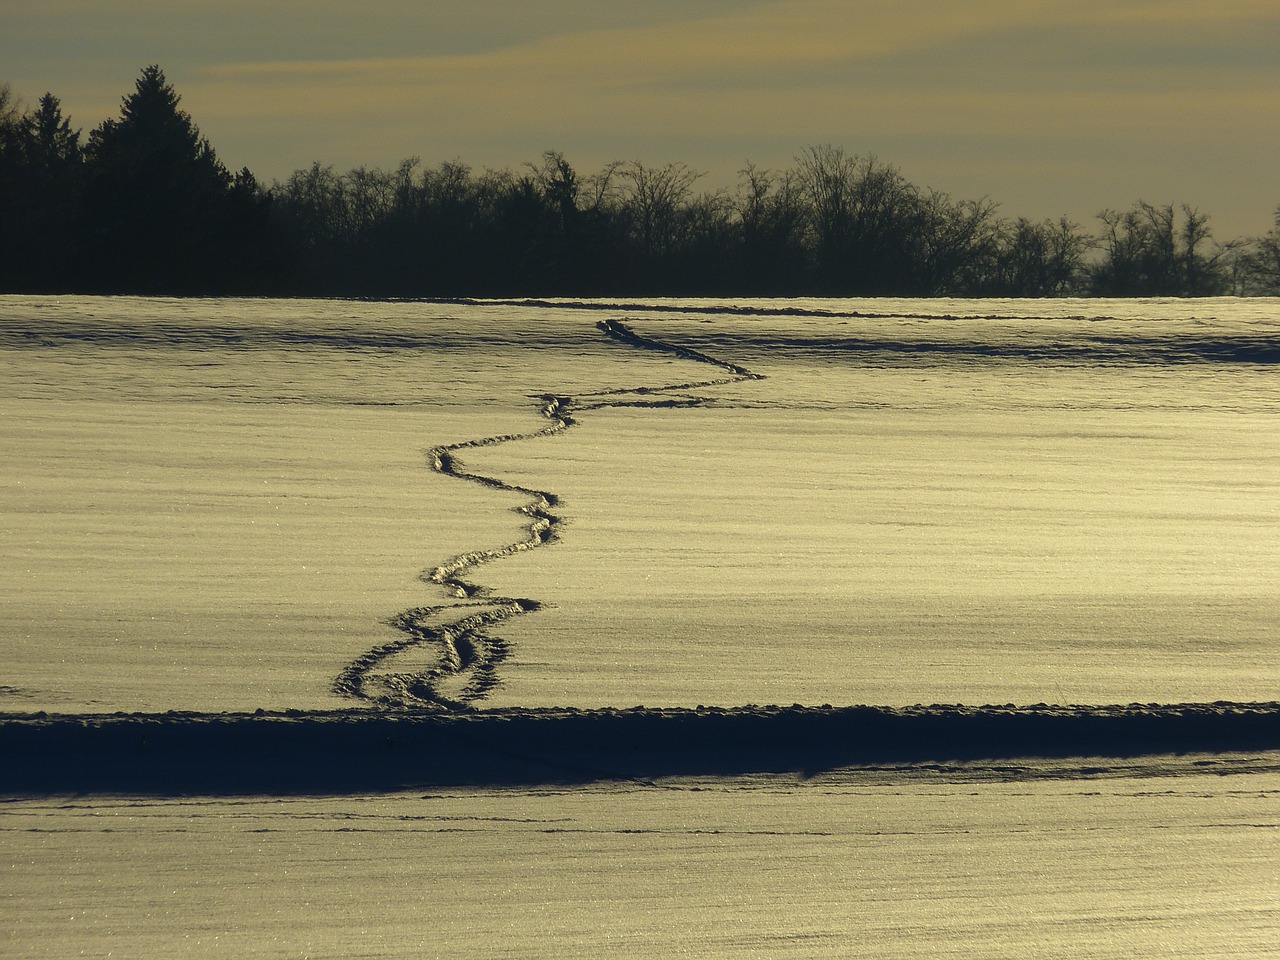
(369, 751)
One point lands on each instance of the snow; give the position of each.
(218, 504)
(215, 506)
(1159, 861)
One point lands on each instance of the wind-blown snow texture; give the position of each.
(216, 506)
(877, 501)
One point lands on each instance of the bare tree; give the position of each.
(558, 183)
(1255, 265)
(655, 196)
(1146, 252)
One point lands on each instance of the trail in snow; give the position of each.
(465, 654)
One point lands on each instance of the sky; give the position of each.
(1049, 107)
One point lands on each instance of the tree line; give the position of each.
(144, 205)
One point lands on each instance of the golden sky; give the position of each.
(1047, 106)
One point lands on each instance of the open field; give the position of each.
(402, 510)
(217, 505)
(1175, 857)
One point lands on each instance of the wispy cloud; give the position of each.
(793, 67)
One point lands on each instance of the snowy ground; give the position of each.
(217, 505)
(225, 505)
(1171, 859)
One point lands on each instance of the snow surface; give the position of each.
(221, 506)
(1175, 858)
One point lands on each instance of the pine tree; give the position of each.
(40, 193)
(52, 145)
(157, 194)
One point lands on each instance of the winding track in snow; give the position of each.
(467, 654)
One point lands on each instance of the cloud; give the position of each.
(796, 67)
(716, 66)
(221, 30)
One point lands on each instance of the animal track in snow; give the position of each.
(446, 656)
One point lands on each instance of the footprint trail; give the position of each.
(446, 656)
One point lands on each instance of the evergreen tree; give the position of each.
(41, 164)
(157, 198)
(52, 145)
(12, 163)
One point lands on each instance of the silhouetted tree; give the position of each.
(1256, 266)
(156, 195)
(559, 184)
(1044, 259)
(10, 110)
(41, 165)
(11, 168)
(827, 176)
(11, 121)
(146, 206)
(570, 260)
(652, 203)
(52, 145)
(254, 256)
(394, 260)
(55, 181)
(956, 244)
(701, 262)
(771, 216)
(865, 225)
(1147, 252)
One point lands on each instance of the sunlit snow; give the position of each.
(215, 506)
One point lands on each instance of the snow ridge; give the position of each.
(466, 654)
